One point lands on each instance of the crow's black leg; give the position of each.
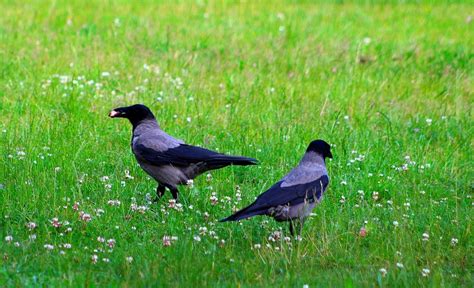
(174, 191)
(292, 231)
(160, 191)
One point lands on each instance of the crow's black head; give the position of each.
(321, 147)
(134, 113)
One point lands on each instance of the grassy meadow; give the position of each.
(389, 86)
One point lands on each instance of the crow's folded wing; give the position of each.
(279, 194)
(181, 155)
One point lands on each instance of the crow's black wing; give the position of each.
(278, 195)
(184, 155)
(181, 155)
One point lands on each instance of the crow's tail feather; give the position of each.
(244, 213)
(225, 160)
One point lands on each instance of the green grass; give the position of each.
(260, 79)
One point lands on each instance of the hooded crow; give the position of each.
(295, 195)
(168, 160)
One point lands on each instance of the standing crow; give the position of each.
(295, 195)
(168, 160)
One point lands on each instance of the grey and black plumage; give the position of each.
(295, 195)
(168, 160)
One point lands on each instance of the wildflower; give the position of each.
(275, 236)
(166, 241)
(400, 265)
(426, 236)
(425, 272)
(222, 243)
(104, 178)
(113, 202)
(105, 74)
(17, 244)
(32, 237)
(55, 222)
(202, 230)
(190, 183)
(94, 258)
(197, 238)
(214, 200)
(85, 217)
(111, 243)
(75, 207)
(171, 203)
(366, 40)
(454, 241)
(383, 271)
(342, 200)
(362, 232)
(67, 246)
(9, 238)
(429, 121)
(257, 246)
(375, 195)
(127, 175)
(106, 260)
(48, 247)
(395, 223)
(209, 177)
(129, 259)
(343, 182)
(31, 225)
(101, 239)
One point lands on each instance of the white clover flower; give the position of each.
(113, 202)
(9, 238)
(31, 225)
(214, 200)
(129, 259)
(111, 243)
(425, 272)
(94, 258)
(85, 217)
(166, 241)
(383, 271)
(197, 238)
(257, 246)
(202, 230)
(454, 241)
(400, 265)
(48, 247)
(342, 200)
(395, 223)
(426, 236)
(429, 121)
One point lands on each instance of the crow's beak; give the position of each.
(114, 114)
